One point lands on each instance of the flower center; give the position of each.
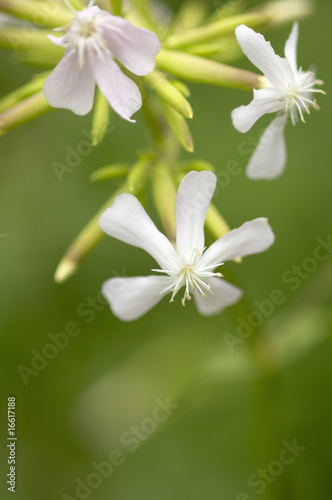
(191, 276)
(85, 36)
(299, 97)
(85, 28)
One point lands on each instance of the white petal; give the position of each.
(262, 55)
(130, 298)
(291, 47)
(192, 203)
(269, 158)
(136, 48)
(252, 237)
(224, 295)
(70, 85)
(121, 92)
(264, 101)
(127, 221)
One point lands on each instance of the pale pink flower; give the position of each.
(93, 40)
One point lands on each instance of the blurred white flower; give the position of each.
(189, 265)
(286, 90)
(94, 38)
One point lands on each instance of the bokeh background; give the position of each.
(234, 411)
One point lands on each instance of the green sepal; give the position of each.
(109, 172)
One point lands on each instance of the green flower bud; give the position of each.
(182, 87)
(198, 165)
(190, 15)
(198, 69)
(84, 243)
(30, 39)
(169, 93)
(109, 172)
(26, 110)
(23, 92)
(50, 14)
(225, 26)
(138, 174)
(179, 127)
(164, 195)
(100, 119)
(216, 225)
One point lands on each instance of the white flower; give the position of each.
(94, 38)
(189, 265)
(286, 90)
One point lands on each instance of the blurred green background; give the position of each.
(231, 419)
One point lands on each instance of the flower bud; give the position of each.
(109, 172)
(23, 92)
(137, 176)
(50, 14)
(225, 26)
(190, 15)
(84, 243)
(182, 87)
(179, 127)
(170, 94)
(198, 165)
(198, 69)
(100, 119)
(164, 195)
(216, 225)
(28, 109)
(30, 39)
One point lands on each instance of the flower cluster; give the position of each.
(106, 50)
